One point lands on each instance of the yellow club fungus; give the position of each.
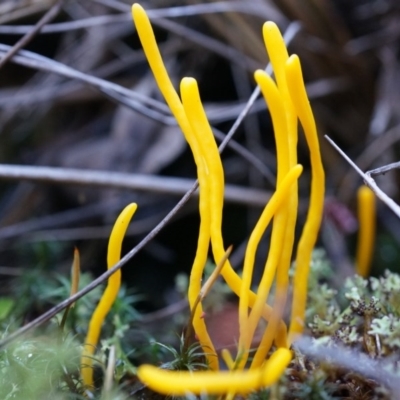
(109, 295)
(276, 201)
(288, 102)
(150, 47)
(278, 55)
(228, 359)
(308, 237)
(180, 383)
(75, 273)
(366, 234)
(282, 237)
(167, 89)
(277, 246)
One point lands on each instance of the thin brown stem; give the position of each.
(51, 14)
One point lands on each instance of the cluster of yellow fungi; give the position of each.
(288, 103)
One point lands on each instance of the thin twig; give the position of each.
(216, 113)
(163, 313)
(109, 375)
(352, 360)
(248, 156)
(143, 104)
(368, 180)
(230, 53)
(370, 153)
(205, 289)
(142, 182)
(38, 62)
(375, 40)
(171, 12)
(51, 14)
(62, 218)
(384, 169)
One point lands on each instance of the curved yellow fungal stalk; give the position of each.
(150, 48)
(228, 360)
(278, 54)
(276, 201)
(198, 120)
(147, 38)
(277, 110)
(308, 237)
(366, 233)
(283, 228)
(75, 273)
(109, 295)
(179, 383)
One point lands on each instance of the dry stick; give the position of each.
(52, 13)
(109, 375)
(291, 31)
(371, 152)
(143, 182)
(60, 27)
(384, 169)
(145, 105)
(226, 112)
(230, 53)
(41, 63)
(203, 293)
(368, 180)
(170, 12)
(163, 313)
(247, 155)
(66, 218)
(351, 360)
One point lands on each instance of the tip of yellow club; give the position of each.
(269, 25)
(137, 10)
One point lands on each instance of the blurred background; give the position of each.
(91, 103)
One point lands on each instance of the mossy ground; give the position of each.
(358, 320)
